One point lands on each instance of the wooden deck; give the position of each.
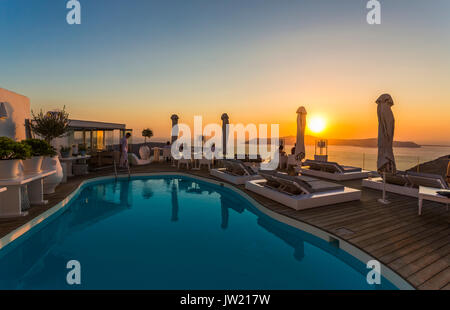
(416, 247)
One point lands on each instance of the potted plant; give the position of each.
(49, 126)
(65, 151)
(82, 149)
(147, 133)
(39, 149)
(11, 153)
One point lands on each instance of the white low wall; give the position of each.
(18, 109)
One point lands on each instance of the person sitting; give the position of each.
(167, 151)
(281, 150)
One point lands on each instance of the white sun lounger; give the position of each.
(235, 172)
(135, 161)
(406, 183)
(301, 192)
(331, 171)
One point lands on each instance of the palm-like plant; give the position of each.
(147, 133)
(50, 125)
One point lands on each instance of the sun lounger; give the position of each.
(235, 172)
(135, 161)
(301, 192)
(407, 183)
(417, 179)
(331, 171)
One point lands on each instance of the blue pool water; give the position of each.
(173, 233)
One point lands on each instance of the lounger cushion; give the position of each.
(320, 186)
(239, 168)
(330, 166)
(398, 178)
(426, 179)
(303, 184)
(348, 169)
(270, 180)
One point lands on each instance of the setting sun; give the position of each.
(317, 124)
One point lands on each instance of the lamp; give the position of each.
(3, 112)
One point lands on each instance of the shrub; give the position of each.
(40, 147)
(50, 125)
(10, 149)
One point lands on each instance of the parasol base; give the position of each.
(384, 201)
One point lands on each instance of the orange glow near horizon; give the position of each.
(353, 118)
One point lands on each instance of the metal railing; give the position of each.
(115, 170)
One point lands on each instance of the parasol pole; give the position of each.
(384, 200)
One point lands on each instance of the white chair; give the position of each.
(167, 153)
(185, 161)
(204, 161)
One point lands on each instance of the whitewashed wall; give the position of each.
(18, 109)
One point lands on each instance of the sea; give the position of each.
(366, 157)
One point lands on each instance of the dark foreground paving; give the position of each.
(416, 247)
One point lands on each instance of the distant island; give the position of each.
(372, 142)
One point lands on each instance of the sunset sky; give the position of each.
(137, 62)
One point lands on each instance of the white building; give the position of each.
(14, 111)
(15, 114)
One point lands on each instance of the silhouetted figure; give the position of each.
(448, 173)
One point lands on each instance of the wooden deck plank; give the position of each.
(412, 266)
(392, 252)
(437, 282)
(395, 236)
(421, 277)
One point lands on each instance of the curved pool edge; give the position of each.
(344, 245)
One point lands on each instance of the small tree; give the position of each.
(147, 133)
(50, 125)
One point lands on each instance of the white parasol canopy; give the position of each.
(386, 126)
(300, 152)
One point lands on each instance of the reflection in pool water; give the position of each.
(174, 233)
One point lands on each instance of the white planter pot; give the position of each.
(32, 165)
(50, 182)
(9, 169)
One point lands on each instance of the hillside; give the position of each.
(437, 166)
(290, 140)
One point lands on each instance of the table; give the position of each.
(429, 193)
(11, 202)
(69, 161)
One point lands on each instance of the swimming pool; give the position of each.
(173, 232)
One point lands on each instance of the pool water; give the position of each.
(173, 232)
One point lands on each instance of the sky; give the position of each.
(140, 61)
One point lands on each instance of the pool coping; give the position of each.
(349, 248)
